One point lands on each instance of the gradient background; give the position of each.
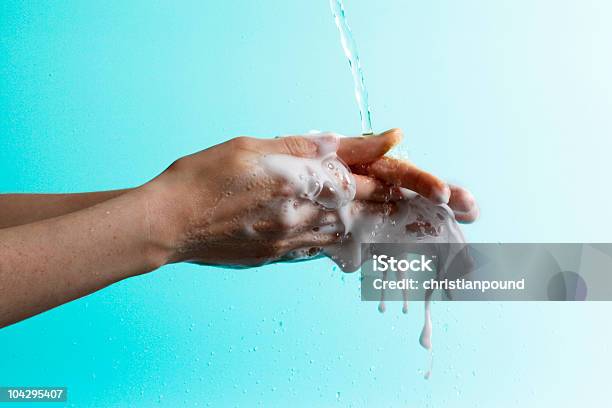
(509, 98)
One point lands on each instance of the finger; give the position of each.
(302, 146)
(371, 189)
(404, 174)
(463, 204)
(352, 150)
(366, 149)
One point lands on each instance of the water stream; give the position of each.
(349, 46)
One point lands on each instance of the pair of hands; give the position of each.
(219, 206)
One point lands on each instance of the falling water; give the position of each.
(350, 50)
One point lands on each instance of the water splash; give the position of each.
(349, 46)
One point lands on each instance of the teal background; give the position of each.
(509, 98)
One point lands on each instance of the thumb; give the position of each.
(367, 149)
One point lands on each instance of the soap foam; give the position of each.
(324, 180)
(328, 182)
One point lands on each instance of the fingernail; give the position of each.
(392, 130)
(397, 135)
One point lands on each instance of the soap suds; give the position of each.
(328, 182)
(324, 180)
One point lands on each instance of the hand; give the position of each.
(219, 206)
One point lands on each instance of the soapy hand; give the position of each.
(225, 206)
(244, 202)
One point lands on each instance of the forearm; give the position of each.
(20, 209)
(47, 263)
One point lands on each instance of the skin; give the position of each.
(55, 248)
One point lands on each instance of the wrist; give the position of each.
(167, 214)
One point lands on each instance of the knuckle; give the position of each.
(263, 226)
(299, 146)
(239, 155)
(284, 190)
(285, 223)
(242, 142)
(176, 165)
